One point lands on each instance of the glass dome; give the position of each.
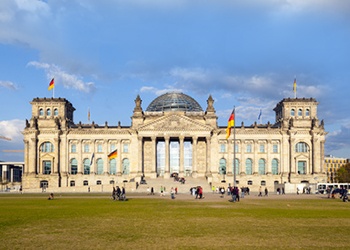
(174, 102)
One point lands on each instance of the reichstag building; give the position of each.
(173, 135)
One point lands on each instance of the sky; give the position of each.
(104, 53)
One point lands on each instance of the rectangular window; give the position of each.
(112, 147)
(99, 148)
(125, 148)
(275, 148)
(73, 148)
(262, 148)
(86, 148)
(236, 148)
(249, 148)
(222, 148)
(47, 167)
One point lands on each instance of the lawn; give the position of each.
(96, 222)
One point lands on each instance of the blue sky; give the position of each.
(104, 53)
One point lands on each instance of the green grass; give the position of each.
(96, 222)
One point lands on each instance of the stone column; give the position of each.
(167, 156)
(80, 159)
(181, 167)
(208, 163)
(55, 162)
(120, 158)
(105, 156)
(255, 166)
(154, 152)
(194, 154)
(140, 155)
(268, 157)
(33, 152)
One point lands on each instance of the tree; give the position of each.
(343, 173)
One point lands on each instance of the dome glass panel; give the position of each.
(174, 102)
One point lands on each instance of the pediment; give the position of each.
(174, 123)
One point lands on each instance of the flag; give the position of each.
(259, 115)
(230, 124)
(92, 158)
(113, 154)
(89, 115)
(295, 85)
(52, 84)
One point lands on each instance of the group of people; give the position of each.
(118, 193)
(197, 192)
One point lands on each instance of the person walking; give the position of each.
(260, 191)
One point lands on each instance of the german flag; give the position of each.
(113, 155)
(52, 84)
(230, 124)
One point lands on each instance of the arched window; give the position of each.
(111, 182)
(98, 182)
(301, 147)
(55, 112)
(47, 147)
(248, 166)
(263, 183)
(249, 183)
(41, 112)
(237, 166)
(292, 112)
(126, 166)
(113, 166)
(222, 166)
(72, 183)
(300, 112)
(274, 166)
(86, 183)
(262, 166)
(48, 112)
(74, 166)
(86, 166)
(307, 112)
(99, 166)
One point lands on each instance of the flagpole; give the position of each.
(234, 149)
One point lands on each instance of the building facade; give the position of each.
(174, 135)
(332, 164)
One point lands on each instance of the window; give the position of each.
(48, 112)
(47, 147)
(111, 182)
(275, 148)
(86, 166)
(55, 112)
(113, 166)
(98, 182)
(263, 183)
(249, 148)
(307, 112)
(300, 112)
(301, 167)
(74, 166)
(292, 112)
(301, 147)
(222, 148)
(86, 183)
(41, 112)
(274, 166)
(248, 166)
(237, 166)
(44, 184)
(86, 148)
(73, 148)
(125, 148)
(262, 166)
(262, 148)
(46, 167)
(99, 166)
(99, 148)
(72, 183)
(112, 147)
(222, 166)
(236, 148)
(126, 164)
(250, 183)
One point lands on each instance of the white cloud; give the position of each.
(12, 129)
(8, 85)
(69, 81)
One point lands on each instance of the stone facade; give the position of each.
(177, 140)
